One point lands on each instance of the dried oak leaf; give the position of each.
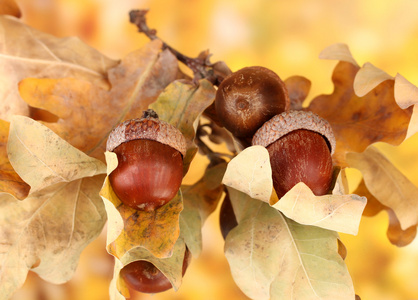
(405, 93)
(200, 200)
(9, 7)
(47, 231)
(10, 182)
(395, 234)
(27, 52)
(181, 104)
(88, 112)
(157, 231)
(361, 121)
(298, 88)
(303, 261)
(171, 267)
(391, 191)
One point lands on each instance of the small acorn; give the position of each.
(150, 161)
(249, 97)
(144, 277)
(300, 145)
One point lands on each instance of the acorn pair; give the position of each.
(253, 104)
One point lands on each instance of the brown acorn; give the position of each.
(300, 145)
(249, 97)
(150, 161)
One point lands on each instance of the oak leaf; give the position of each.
(303, 261)
(88, 112)
(43, 159)
(340, 213)
(181, 104)
(171, 267)
(27, 52)
(298, 88)
(47, 231)
(250, 172)
(358, 122)
(392, 190)
(200, 200)
(157, 231)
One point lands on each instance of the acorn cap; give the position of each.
(149, 127)
(286, 122)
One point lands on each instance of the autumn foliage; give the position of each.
(60, 102)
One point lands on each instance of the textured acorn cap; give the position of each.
(149, 127)
(286, 122)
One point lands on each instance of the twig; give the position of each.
(201, 66)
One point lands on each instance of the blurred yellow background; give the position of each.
(285, 36)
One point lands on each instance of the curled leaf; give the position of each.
(338, 51)
(303, 261)
(387, 184)
(395, 233)
(340, 213)
(171, 267)
(250, 172)
(42, 158)
(368, 78)
(406, 94)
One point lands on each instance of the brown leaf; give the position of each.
(10, 181)
(26, 52)
(88, 112)
(373, 206)
(387, 184)
(9, 7)
(395, 233)
(388, 189)
(298, 88)
(360, 121)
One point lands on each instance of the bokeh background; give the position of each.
(287, 37)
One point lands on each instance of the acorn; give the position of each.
(300, 146)
(144, 277)
(150, 161)
(249, 97)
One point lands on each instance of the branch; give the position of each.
(201, 66)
